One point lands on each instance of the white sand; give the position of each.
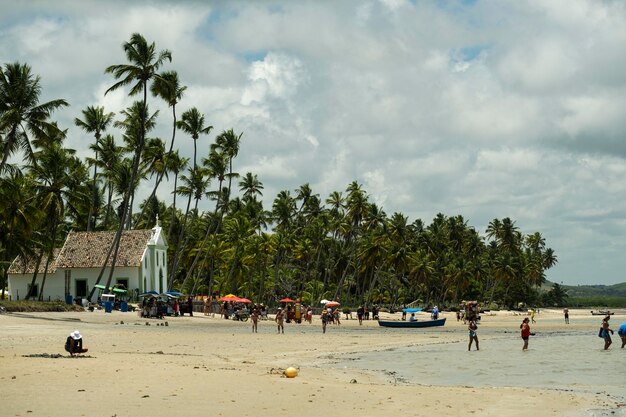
(209, 366)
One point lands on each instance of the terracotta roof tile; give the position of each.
(27, 266)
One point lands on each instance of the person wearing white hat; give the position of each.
(74, 343)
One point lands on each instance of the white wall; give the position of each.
(55, 283)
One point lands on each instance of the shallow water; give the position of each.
(572, 360)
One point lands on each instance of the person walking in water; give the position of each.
(604, 332)
(622, 333)
(525, 332)
(472, 328)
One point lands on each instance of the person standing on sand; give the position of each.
(604, 332)
(525, 332)
(532, 315)
(472, 328)
(359, 314)
(280, 317)
(324, 318)
(566, 314)
(622, 333)
(254, 316)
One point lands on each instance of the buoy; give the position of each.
(291, 372)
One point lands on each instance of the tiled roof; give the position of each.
(27, 266)
(88, 250)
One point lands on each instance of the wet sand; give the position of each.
(209, 366)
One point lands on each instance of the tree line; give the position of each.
(341, 246)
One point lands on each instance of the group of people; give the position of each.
(525, 332)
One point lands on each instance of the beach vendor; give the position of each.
(606, 332)
(473, 337)
(74, 343)
(525, 332)
(622, 333)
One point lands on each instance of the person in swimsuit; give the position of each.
(280, 317)
(473, 337)
(622, 333)
(255, 320)
(606, 332)
(525, 332)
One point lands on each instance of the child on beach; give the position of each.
(473, 337)
(525, 332)
(280, 317)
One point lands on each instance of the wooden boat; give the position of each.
(602, 313)
(411, 324)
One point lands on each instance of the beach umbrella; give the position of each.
(174, 294)
(245, 301)
(286, 300)
(324, 301)
(149, 294)
(100, 287)
(229, 297)
(120, 290)
(332, 304)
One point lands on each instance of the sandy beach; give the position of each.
(210, 366)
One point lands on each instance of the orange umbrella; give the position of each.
(286, 300)
(245, 301)
(332, 304)
(229, 297)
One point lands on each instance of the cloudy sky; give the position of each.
(487, 109)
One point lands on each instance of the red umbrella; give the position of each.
(286, 300)
(332, 304)
(244, 300)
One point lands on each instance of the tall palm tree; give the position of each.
(251, 186)
(21, 113)
(228, 142)
(144, 62)
(192, 123)
(95, 120)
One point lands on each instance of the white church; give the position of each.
(141, 265)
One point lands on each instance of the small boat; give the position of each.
(601, 313)
(411, 324)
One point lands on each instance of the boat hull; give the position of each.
(411, 324)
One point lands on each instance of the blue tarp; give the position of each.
(412, 310)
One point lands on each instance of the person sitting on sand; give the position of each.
(525, 332)
(74, 343)
(280, 317)
(473, 337)
(604, 332)
(622, 333)
(412, 318)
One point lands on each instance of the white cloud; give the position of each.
(487, 109)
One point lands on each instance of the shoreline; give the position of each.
(216, 366)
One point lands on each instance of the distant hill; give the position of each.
(616, 290)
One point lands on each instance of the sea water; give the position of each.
(556, 360)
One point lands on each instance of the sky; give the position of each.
(487, 109)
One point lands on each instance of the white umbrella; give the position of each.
(324, 301)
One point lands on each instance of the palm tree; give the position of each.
(95, 121)
(251, 186)
(143, 67)
(193, 123)
(228, 143)
(20, 111)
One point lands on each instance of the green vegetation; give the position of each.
(342, 246)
